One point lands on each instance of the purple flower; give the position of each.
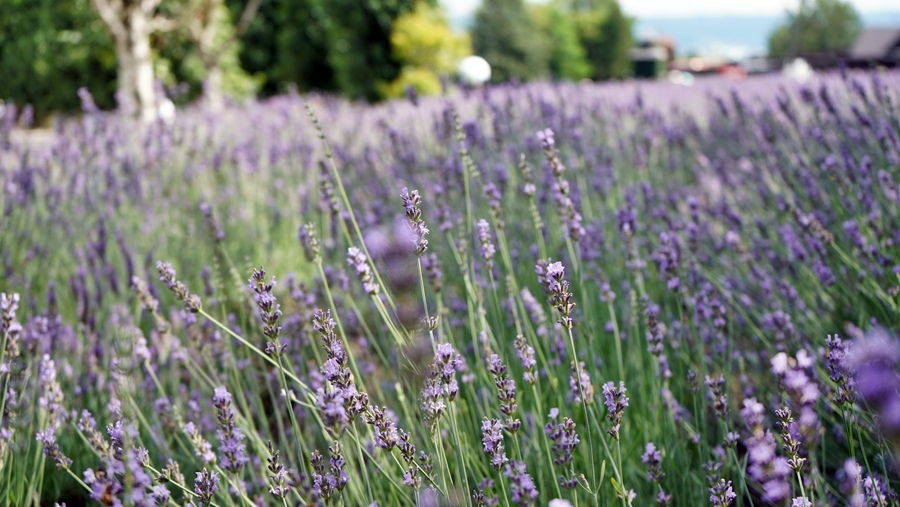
(717, 396)
(580, 385)
(360, 264)
(663, 498)
(446, 363)
(482, 496)
(656, 331)
(385, 429)
(668, 259)
(9, 328)
(337, 371)
(563, 436)
(753, 413)
(326, 482)
(851, 483)
(525, 353)
(47, 438)
(411, 477)
(565, 205)
(309, 239)
(721, 494)
(767, 468)
(51, 398)
(88, 426)
(205, 485)
(616, 401)
(873, 360)
(159, 495)
(523, 491)
(839, 369)
(506, 392)
(653, 460)
(440, 383)
(334, 411)
(487, 245)
(202, 448)
(411, 201)
(269, 309)
(492, 441)
(232, 453)
(167, 276)
(547, 139)
(552, 276)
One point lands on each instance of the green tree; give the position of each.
(428, 49)
(605, 34)
(330, 45)
(505, 36)
(825, 26)
(568, 59)
(49, 49)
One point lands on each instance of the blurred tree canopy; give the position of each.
(565, 39)
(605, 33)
(824, 26)
(49, 49)
(428, 48)
(363, 49)
(506, 36)
(568, 59)
(332, 45)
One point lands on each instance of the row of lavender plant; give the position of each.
(525, 295)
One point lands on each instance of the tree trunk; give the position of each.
(126, 93)
(212, 86)
(139, 31)
(130, 23)
(212, 44)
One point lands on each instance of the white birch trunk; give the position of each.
(127, 95)
(142, 59)
(212, 86)
(131, 23)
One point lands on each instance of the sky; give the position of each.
(686, 8)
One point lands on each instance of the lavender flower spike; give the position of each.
(191, 302)
(523, 491)
(360, 264)
(487, 246)
(653, 459)
(721, 494)
(616, 401)
(205, 485)
(525, 353)
(492, 440)
(411, 201)
(552, 277)
(269, 310)
(278, 475)
(232, 453)
(580, 384)
(563, 436)
(47, 438)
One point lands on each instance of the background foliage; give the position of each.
(823, 26)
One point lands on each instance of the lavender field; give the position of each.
(543, 294)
